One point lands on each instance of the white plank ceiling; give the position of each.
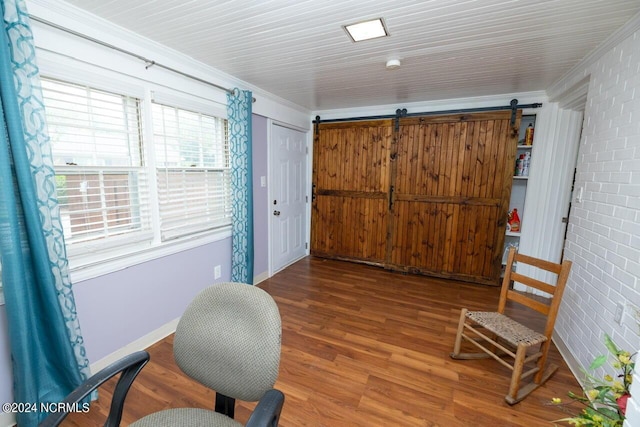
(297, 49)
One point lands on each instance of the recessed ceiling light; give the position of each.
(366, 30)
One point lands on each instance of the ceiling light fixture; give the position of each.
(393, 64)
(366, 30)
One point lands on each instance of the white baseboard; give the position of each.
(260, 277)
(7, 420)
(139, 344)
(571, 361)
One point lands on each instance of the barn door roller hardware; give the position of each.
(400, 114)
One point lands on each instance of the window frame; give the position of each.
(103, 175)
(224, 170)
(95, 261)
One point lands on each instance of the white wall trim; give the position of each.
(105, 263)
(553, 159)
(571, 361)
(574, 98)
(260, 277)
(83, 22)
(137, 345)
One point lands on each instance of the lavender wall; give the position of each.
(261, 211)
(121, 307)
(118, 308)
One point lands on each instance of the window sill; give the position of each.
(110, 263)
(81, 270)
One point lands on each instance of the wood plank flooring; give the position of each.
(362, 346)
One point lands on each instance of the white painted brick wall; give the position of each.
(603, 239)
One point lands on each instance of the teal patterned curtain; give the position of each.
(239, 115)
(47, 350)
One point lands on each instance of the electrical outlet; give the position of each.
(619, 313)
(217, 272)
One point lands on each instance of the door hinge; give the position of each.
(306, 245)
(306, 199)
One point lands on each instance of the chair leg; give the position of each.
(455, 354)
(518, 365)
(530, 387)
(458, 342)
(544, 349)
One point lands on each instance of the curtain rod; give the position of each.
(149, 63)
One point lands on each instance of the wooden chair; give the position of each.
(511, 343)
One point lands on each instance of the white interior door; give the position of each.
(288, 196)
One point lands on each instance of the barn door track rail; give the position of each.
(400, 113)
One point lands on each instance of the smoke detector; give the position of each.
(393, 64)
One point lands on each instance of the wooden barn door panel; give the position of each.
(451, 187)
(350, 208)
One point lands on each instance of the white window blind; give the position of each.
(97, 151)
(192, 158)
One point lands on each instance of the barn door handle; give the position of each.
(391, 197)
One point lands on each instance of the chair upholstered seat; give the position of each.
(192, 417)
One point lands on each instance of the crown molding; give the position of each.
(80, 21)
(580, 70)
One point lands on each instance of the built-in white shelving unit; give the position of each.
(520, 181)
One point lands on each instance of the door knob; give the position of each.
(276, 213)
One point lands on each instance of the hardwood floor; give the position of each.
(362, 346)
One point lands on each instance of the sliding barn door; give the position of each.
(350, 209)
(451, 186)
(427, 195)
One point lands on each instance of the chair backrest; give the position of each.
(128, 368)
(229, 339)
(548, 308)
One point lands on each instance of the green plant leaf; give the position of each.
(598, 362)
(608, 342)
(610, 413)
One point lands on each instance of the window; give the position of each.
(192, 157)
(120, 193)
(96, 139)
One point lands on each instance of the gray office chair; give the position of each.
(229, 340)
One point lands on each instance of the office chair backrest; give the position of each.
(229, 340)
